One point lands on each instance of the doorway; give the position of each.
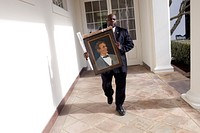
(94, 13)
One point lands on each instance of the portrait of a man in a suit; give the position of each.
(105, 59)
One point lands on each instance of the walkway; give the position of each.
(153, 105)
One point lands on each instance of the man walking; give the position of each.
(124, 44)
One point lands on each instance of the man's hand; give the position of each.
(86, 55)
(118, 45)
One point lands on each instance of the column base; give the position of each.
(191, 102)
(163, 69)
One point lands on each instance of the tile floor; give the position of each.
(153, 105)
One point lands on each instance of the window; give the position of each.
(125, 12)
(96, 12)
(60, 3)
(60, 7)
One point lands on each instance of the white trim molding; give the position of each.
(30, 2)
(58, 10)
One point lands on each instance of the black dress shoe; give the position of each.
(120, 110)
(109, 100)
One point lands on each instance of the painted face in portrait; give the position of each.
(103, 50)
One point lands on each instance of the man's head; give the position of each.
(111, 20)
(101, 48)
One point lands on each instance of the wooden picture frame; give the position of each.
(104, 38)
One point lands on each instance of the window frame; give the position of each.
(63, 11)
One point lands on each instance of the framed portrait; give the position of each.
(103, 52)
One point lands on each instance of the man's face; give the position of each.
(111, 20)
(103, 50)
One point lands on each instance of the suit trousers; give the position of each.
(120, 82)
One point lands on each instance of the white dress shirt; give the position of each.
(108, 60)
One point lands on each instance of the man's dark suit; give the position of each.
(126, 44)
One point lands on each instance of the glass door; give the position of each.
(124, 11)
(95, 13)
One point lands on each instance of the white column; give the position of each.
(193, 95)
(161, 32)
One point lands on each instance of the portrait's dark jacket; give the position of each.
(101, 64)
(122, 36)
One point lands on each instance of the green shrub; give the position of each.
(181, 51)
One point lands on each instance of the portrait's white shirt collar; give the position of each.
(105, 55)
(108, 60)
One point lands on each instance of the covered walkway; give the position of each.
(153, 105)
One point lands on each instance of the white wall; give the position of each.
(40, 58)
(174, 9)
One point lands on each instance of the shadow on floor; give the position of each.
(102, 107)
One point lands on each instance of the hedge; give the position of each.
(180, 50)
